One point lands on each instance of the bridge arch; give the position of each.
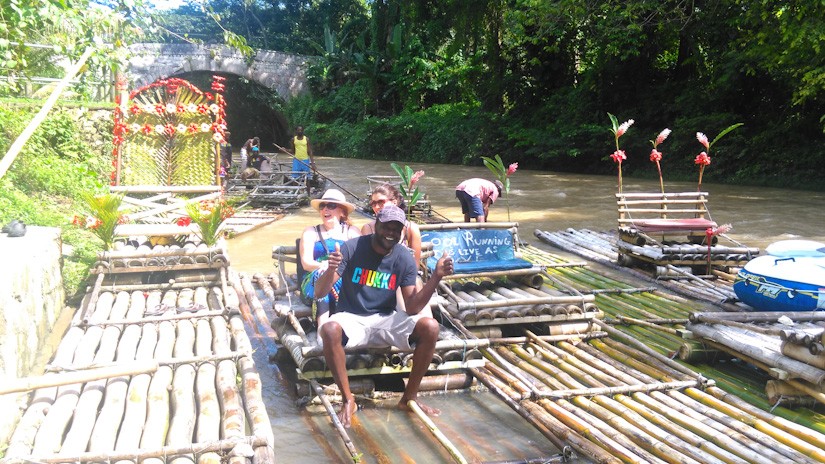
(282, 72)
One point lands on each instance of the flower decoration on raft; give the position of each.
(408, 188)
(656, 155)
(502, 174)
(619, 130)
(211, 106)
(703, 158)
(208, 215)
(103, 218)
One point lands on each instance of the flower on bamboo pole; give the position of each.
(208, 215)
(502, 174)
(703, 158)
(104, 216)
(619, 155)
(409, 190)
(656, 155)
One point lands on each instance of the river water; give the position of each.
(538, 200)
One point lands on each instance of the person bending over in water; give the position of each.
(370, 268)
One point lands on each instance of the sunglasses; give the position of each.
(327, 205)
(375, 203)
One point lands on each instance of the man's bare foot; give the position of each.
(347, 412)
(432, 412)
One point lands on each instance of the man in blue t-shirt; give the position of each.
(372, 267)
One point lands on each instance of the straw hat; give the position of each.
(333, 196)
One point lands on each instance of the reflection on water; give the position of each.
(486, 430)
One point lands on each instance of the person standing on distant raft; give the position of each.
(476, 195)
(371, 268)
(302, 150)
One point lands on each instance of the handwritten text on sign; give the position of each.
(471, 245)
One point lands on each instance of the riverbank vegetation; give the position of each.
(65, 159)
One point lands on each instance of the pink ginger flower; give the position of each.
(415, 177)
(623, 127)
(661, 137)
(511, 169)
(655, 155)
(702, 159)
(618, 156)
(703, 139)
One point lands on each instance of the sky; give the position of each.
(165, 4)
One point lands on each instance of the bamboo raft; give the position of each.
(147, 373)
(787, 346)
(597, 391)
(600, 247)
(247, 220)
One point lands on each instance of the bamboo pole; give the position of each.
(755, 316)
(711, 452)
(632, 434)
(77, 437)
(796, 368)
(134, 417)
(104, 434)
(645, 349)
(342, 432)
(182, 423)
(50, 433)
(804, 440)
(792, 428)
(209, 412)
(157, 400)
(232, 423)
(445, 442)
(157, 319)
(142, 455)
(719, 423)
(261, 318)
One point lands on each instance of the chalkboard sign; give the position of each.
(474, 250)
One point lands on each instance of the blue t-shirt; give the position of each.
(369, 280)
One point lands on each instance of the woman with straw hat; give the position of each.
(318, 241)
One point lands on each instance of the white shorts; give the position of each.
(376, 330)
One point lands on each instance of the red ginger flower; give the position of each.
(512, 169)
(618, 156)
(702, 159)
(655, 155)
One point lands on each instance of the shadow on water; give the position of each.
(484, 429)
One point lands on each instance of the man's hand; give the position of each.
(334, 258)
(444, 267)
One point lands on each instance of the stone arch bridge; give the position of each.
(279, 71)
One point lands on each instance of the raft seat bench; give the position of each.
(672, 229)
(663, 214)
